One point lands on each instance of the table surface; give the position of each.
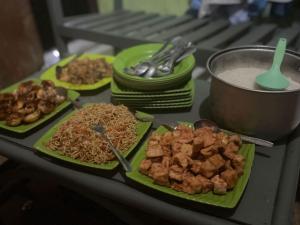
(267, 199)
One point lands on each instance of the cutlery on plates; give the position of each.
(167, 67)
(101, 130)
(159, 57)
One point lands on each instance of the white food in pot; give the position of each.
(245, 78)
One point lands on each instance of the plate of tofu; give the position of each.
(200, 165)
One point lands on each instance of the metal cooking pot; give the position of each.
(265, 114)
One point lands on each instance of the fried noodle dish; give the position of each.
(29, 103)
(194, 161)
(85, 71)
(76, 139)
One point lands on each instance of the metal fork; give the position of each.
(101, 130)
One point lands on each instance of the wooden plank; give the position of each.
(256, 35)
(104, 20)
(129, 22)
(206, 31)
(121, 22)
(290, 33)
(178, 30)
(226, 36)
(73, 20)
(165, 25)
(143, 24)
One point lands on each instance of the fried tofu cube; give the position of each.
(192, 185)
(208, 151)
(208, 140)
(145, 166)
(220, 186)
(176, 172)
(206, 133)
(166, 150)
(207, 185)
(222, 138)
(155, 137)
(186, 134)
(227, 165)
(196, 166)
(187, 149)
(182, 159)
(208, 169)
(159, 174)
(166, 162)
(217, 160)
(166, 138)
(230, 177)
(236, 139)
(238, 163)
(231, 150)
(177, 186)
(198, 143)
(154, 151)
(176, 147)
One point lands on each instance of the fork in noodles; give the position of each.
(77, 140)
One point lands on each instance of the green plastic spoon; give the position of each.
(273, 79)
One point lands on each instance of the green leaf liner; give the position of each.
(73, 95)
(50, 74)
(229, 200)
(40, 145)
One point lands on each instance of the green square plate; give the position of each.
(133, 55)
(117, 89)
(50, 74)
(154, 100)
(40, 145)
(26, 127)
(164, 104)
(229, 200)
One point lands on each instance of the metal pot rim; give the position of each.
(248, 47)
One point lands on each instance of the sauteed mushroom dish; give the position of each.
(29, 103)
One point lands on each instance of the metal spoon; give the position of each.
(101, 130)
(166, 66)
(142, 67)
(208, 123)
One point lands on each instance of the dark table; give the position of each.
(267, 199)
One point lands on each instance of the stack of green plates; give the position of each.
(176, 98)
(132, 56)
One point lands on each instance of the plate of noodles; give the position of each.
(73, 140)
(85, 72)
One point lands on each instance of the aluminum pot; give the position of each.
(260, 113)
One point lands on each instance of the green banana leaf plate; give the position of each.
(40, 145)
(50, 74)
(73, 95)
(229, 200)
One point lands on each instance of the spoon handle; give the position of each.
(122, 160)
(279, 53)
(254, 140)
